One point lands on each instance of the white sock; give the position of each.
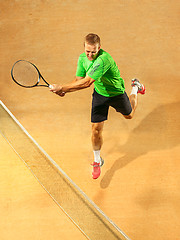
(134, 90)
(97, 157)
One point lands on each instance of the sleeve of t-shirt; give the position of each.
(99, 68)
(80, 71)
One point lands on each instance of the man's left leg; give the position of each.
(137, 87)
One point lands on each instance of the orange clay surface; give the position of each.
(140, 181)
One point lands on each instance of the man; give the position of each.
(98, 67)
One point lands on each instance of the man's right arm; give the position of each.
(77, 79)
(82, 83)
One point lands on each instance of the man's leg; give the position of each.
(137, 87)
(97, 141)
(133, 101)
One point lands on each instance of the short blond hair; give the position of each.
(92, 39)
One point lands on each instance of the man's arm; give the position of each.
(78, 84)
(77, 79)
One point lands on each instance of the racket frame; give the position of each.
(35, 85)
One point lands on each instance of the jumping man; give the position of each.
(98, 67)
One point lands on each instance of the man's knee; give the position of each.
(130, 116)
(97, 128)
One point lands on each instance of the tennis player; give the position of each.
(97, 66)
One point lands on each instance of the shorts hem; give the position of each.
(98, 121)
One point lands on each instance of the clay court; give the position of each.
(140, 181)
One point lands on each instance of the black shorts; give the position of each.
(101, 104)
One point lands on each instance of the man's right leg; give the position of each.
(97, 141)
(99, 114)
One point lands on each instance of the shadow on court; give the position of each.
(159, 130)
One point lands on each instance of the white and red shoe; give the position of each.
(141, 87)
(97, 169)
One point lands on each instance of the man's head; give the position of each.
(92, 46)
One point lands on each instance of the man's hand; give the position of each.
(55, 88)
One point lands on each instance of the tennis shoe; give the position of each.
(141, 87)
(97, 169)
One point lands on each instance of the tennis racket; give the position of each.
(27, 75)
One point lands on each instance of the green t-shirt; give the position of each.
(105, 73)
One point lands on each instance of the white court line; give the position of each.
(63, 173)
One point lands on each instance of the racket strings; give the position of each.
(25, 74)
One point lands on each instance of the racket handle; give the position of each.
(62, 94)
(50, 86)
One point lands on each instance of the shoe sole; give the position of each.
(143, 91)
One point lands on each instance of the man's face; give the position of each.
(91, 51)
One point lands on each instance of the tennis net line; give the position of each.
(82, 211)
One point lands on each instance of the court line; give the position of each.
(63, 173)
